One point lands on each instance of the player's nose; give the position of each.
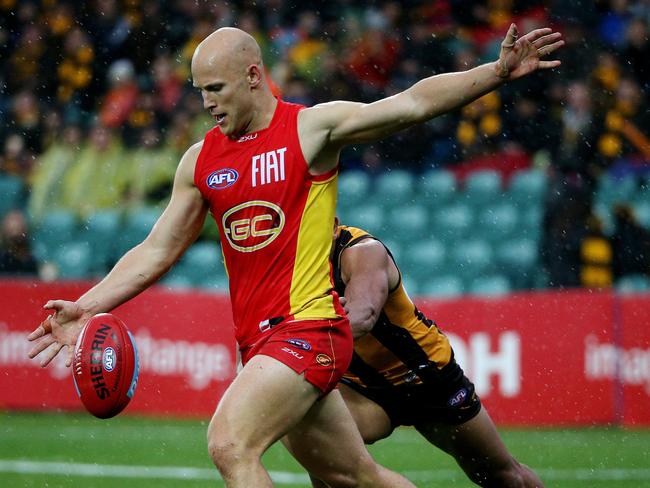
(208, 102)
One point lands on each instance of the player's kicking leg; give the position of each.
(328, 444)
(371, 420)
(480, 452)
(268, 399)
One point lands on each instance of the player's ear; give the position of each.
(254, 75)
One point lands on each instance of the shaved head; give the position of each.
(228, 48)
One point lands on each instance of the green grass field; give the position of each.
(76, 450)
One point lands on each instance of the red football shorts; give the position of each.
(321, 350)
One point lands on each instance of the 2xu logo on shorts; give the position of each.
(253, 225)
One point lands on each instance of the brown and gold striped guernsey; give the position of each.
(404, 346)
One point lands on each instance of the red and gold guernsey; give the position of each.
(275, 222)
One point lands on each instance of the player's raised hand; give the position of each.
(58, 330)
(521, 56)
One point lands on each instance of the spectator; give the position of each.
(151, 170)
(167, 85)
(49, 171)
(98, 177)
(122, 95)
(596, 266)
(637, 51)
(15, 159)
(631, 244)
(574, 152)
(26, 117)
(15, 254)
(75, 71)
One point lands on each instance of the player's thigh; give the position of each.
(327, 442)
(265, 400)
(371, 419)
(474, 444)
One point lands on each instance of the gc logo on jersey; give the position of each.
(223, 178)
(250, 226)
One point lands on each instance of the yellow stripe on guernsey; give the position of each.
(310, 295)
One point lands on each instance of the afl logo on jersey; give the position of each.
(253, 225)
(218, 180)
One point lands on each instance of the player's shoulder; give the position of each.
(188, 161)
(352, 237)
(192, 153)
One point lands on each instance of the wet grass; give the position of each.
(70, 450)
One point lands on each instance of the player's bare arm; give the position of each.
(175, 230)
(369, 274)
(325, 128)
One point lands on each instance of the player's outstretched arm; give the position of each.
(336, 124)
(368, 274)
(175, 230)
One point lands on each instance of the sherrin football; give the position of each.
(105, 366)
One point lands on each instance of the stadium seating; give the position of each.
(368, 216)
(410, 221)
(642, 212)
(395, 187)
(11, 191)
(611, 190)
(100, 230)
(528, 187)
(493, 286)
(437, 187)
(443, 286)
(634, 283)
(73, 260)
(200, 262)
(452, 223)
(482, 187)
(136, 227)
(498, 221)
(424, 260)
(517, 259)
(354, 187)
(56, 229)
(472, 258)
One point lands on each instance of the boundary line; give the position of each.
(23, 466)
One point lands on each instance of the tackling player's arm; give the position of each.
(369, 274)
(176, 229)
(325, 128)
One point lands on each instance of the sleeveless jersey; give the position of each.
(404, 346)
(275, 224)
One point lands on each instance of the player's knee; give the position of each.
(227, 453)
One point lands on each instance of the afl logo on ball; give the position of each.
(108, 359)
(324, 360)
(218, 180)
(252, 225)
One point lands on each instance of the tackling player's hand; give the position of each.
(58, 330)
(521, 56)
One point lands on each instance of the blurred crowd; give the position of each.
(97, 106)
